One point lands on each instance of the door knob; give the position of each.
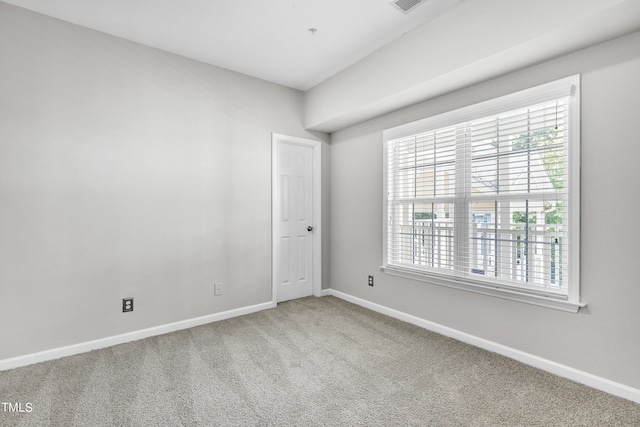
(309, 228)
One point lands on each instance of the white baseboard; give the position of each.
(568, 372)
(325, 292)
(85, 347)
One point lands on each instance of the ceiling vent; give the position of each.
(406, 6)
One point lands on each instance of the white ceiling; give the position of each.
(268, 39)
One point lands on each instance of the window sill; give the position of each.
(481, 288)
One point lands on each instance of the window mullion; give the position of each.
(461, 207)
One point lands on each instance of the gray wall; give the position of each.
(603, 338)
(128, 171)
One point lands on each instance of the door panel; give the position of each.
(295, 176)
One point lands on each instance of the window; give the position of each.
(486, 198)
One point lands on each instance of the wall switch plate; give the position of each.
(218, 289)
(370, 281)
(127, 304)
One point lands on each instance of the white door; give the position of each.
(293, 210)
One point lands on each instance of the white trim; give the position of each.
(85, 347)
(593, 381)
(316, 145)
(574, 192)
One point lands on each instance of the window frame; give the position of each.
(566, 87)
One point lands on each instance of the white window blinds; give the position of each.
(485, 196)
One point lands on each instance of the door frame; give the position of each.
(276, 140)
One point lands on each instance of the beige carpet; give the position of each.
(309, 362)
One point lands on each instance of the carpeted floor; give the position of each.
(309, 362)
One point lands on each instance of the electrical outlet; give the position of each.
(370, 281)
(218, 289)
(127, 304)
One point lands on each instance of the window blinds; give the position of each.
(486, 198)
